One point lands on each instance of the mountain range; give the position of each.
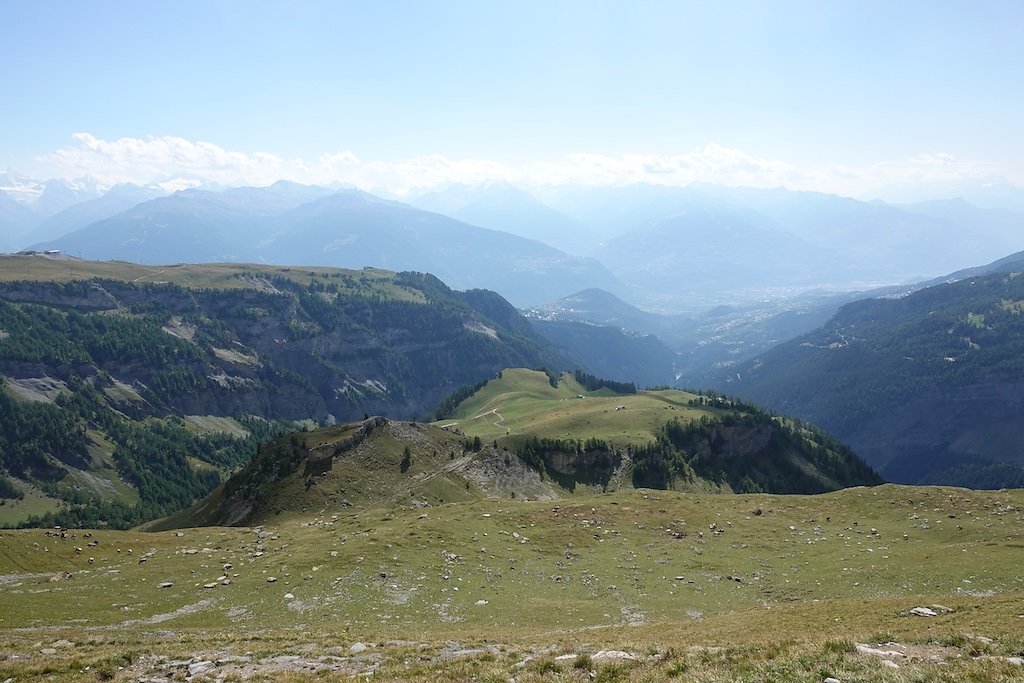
(26, 202)
(691, 248)
(504, 206)
(667, 249)
(299, 225)
(694, 286)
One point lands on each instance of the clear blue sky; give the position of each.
(809, 83)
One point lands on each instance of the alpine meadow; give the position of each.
(537, 341)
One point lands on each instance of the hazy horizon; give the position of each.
(870, 100)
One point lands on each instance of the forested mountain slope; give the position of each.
(928, 388)
(134, 382)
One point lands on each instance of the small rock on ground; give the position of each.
(611, 656)
(196, 668)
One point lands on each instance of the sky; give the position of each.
(838, 96)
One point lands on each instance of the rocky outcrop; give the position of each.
(735, 440)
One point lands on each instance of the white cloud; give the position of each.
(165, 159)
(176, 162)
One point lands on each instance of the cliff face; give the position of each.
(734, 441)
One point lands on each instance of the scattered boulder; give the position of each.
(611, 656)
(196, 668)
(877, 652)
(166, 584)
(358, 647)
(923, 612)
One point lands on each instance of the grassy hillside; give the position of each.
(691, 587)
(523, 402)
(377, 463)
(36, 268)
(527, 435)
(662, 439)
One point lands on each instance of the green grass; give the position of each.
(523, 402)
(215, 424)
(103, 482)
(100, 480)
(34, 503)
(200, 276)
(597, 572)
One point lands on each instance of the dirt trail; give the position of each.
(493, 411)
